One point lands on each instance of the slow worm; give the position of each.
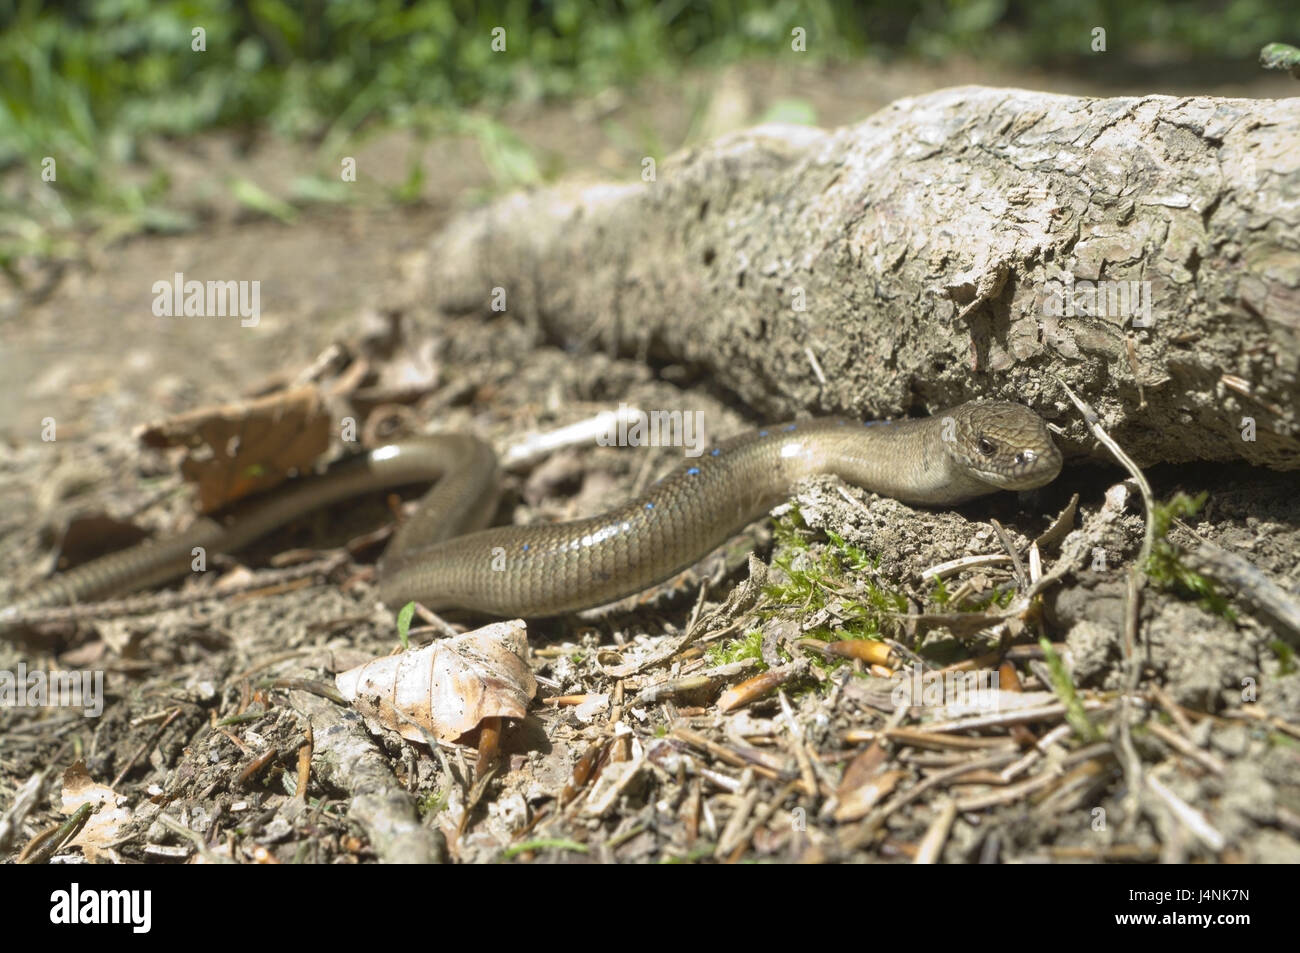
(442, 558)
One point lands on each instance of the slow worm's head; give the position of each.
(1004, 445)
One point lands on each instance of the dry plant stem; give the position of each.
(924, 739)
(1188, 815)
(1185, 747)
(738, 823)
(153, 740)
(1173, 709)
(1148, 499)
(256, 765)
(953, 566)
(1055, 736)
(1123, 852)
(760, 817)
(1019, 717)
(1250, 584)
(1011, 551)
(195, 838)
(535, 447)
(1045, 779)
(304, 762)
(1137, 576)
(1255, 713)
(798, 744)
(936, 836)
(25, 798)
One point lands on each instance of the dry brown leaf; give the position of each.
(855, 804)
(98, 835)
(239, 449)
(861, 769)
(448, 687)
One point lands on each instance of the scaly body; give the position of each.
(438, 558)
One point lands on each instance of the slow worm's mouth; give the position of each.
(1039, 469)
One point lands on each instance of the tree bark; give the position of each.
(921, 258)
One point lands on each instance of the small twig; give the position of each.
(1137, 576)
(1249, 584)
(873, 821)
(1011, 551)
(1185, 747)
(931, 846)
(915, 738)
(1044, 780)
(256, 765)
(1020, 717)
(1093, 420)
(816, 365)
(798, 744)
(24, 800)
(195, 838)
(534, 447)
(139, 752)
(1059, 733)
(1172, 708)
(1188, 815)
(953, 566)
(304, 761)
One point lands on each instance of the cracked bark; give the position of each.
(922, 243)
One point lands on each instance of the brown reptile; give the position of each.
(438, 558)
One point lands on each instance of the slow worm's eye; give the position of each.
(985, 446)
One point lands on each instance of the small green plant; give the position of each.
(432, 803)
(1064, 688)
(1165, 567)
(404, 616)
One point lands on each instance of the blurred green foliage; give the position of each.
(85, 80)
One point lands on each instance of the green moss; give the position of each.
(432, 803)
(1165, 567)
(1285, 656)
(790, 532)
(993, 599)
(747, 646)
(814, 579)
